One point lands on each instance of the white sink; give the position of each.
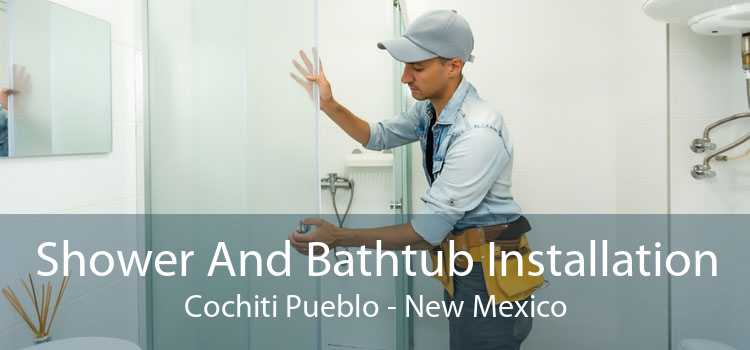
(92, 343)
(680, 11)
(703, 344)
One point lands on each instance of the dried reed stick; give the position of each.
(46, 312)
(36, 305)
(45, 306)
(31, 297)
(60, 294)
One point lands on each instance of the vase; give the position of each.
(42, 339)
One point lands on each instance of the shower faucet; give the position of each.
(333, 181)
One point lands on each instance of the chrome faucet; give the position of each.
(333, 181)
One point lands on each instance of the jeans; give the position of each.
(483, 332)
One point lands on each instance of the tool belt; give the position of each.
(507, 237)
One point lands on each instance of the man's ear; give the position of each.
(457, 65)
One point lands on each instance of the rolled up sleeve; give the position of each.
(396, 131)
(473, 163)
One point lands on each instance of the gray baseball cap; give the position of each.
(439, 33)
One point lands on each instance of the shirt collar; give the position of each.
(450, 111)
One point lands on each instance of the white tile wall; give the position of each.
(707, 84)
(585, 101)
(108, 183)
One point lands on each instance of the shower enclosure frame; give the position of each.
(404, 339)
(145, 288)
(401, 194)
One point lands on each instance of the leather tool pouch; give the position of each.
(510, 286)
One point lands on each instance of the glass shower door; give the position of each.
(233, 159)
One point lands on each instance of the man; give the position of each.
(23, 83)
(4, 95)
(468, 162)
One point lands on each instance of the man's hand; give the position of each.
(307, 79)
(356, 127)
(4, 94)
(22, 83)
(325, 233)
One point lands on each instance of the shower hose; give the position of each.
(342, 219)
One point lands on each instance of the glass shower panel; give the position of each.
(225, 109)
(230, 133)
(360, 76)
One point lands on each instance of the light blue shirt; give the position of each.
(472, 163)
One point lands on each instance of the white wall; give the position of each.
(584, 100)
(107, 183)
(706, 84)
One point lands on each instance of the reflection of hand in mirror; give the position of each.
(22, 84)
(21, 80)
(308, 77)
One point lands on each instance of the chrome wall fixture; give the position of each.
(701, 145)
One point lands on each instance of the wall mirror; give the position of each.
(55, 80)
